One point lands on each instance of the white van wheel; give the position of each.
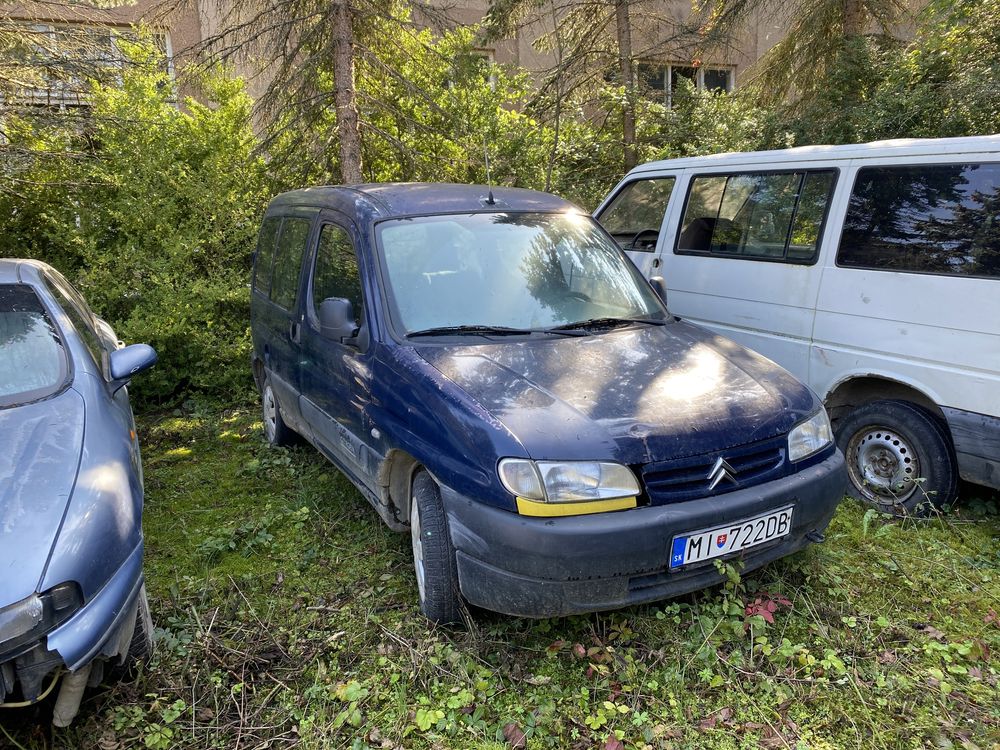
(898, 457)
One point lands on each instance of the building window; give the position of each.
(59, 60)
(471, 65)
(660, 81)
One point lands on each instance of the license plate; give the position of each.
(734, 537)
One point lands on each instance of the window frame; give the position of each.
(835, 171)
(265, 293)
(310, 218)
(667, 74)
(326, 220)
(906, 165)
(70, 300)
(63, 94)
(673, 177)
(67, 365)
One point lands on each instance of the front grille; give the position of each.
(688, 478)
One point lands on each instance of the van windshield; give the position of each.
(519, 271)
(32, 360)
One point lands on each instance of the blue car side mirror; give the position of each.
(131, 360)
(336, 318)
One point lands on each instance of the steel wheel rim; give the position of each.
(418, 545)
(883, 464)
(270, 409)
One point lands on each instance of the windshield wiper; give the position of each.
(605, 323)
(474, 330)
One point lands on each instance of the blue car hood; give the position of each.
(38, 468)
(645, 393)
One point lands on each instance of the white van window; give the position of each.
(776, 216)
(941, 219)
(633, 217)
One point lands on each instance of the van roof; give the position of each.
(897, 147)
(384, 200)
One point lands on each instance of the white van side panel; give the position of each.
(766, 306)
(915, 328)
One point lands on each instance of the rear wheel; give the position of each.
(275, 430)
(899, 458)
(433, 554)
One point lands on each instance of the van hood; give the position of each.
(38, 468)
(634, 395)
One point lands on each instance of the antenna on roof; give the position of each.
(489, 180)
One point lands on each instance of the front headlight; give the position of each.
(566, 481)
(33, 617)
(810, 437)
(20, 618)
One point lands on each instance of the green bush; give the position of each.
(152, 210)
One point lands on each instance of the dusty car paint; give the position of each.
(70, 507)
(385, 405)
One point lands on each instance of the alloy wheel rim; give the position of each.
(418, 545)
(883, 464)
(270, 413)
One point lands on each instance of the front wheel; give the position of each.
(899, 458)
(140, 647)
(433, 555)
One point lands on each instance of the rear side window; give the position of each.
(336, 272)
(634, 215)
(79, 312)
(265, 254)
(775, 216)
(288, 261)
(32, 360)
(941, 219)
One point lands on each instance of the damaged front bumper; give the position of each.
(547, 567)
(100, 629)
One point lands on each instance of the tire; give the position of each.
(433, 554)
(140, 647)
(276, 432)
(899, 457)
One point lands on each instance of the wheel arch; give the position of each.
(395, 481)
(857, 389)
(257, 367)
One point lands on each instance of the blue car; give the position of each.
(72, 599)
(497, 379)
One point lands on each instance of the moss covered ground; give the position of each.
(286, 616)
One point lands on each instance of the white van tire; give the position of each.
(276, 432)
(899, 457)
(433, 554)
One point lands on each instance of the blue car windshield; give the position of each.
(521, 271)
(32, 360)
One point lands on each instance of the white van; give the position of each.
(871, 272)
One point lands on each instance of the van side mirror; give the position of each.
(129, 361)
(336, 318)
(660, 287)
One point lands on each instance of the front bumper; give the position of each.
(546, 567)
(99, 628)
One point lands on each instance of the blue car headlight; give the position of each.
(34, 616)
(567, 481)
(810, 437)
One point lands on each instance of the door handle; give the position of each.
(293, 331)
(656, 262)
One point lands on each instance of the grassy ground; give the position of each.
(286, 616)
